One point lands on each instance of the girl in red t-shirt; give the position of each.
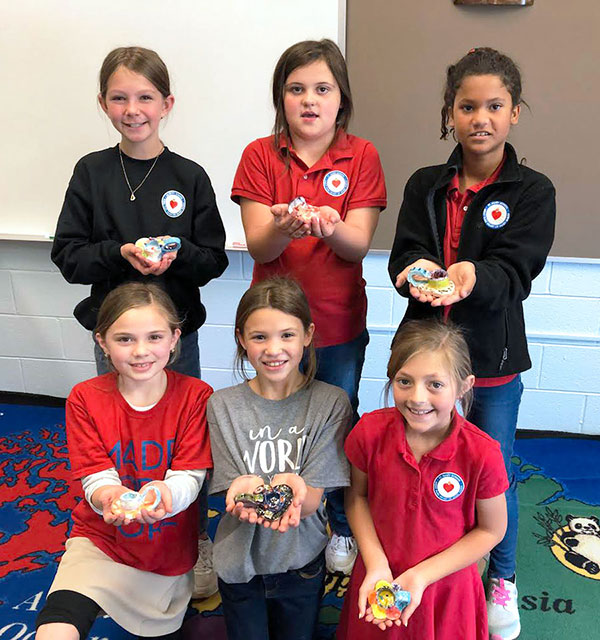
(141, 428)
(427, 496)
(310, 155)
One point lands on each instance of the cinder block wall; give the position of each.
(44, 350)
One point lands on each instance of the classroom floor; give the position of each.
(558, 476)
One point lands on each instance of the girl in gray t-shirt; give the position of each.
(279, 427)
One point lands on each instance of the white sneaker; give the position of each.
(503, 609)
(340, 554)
(205, 579)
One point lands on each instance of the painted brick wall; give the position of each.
(44, 350)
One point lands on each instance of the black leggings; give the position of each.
(74, 608)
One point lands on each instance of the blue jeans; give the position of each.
(187, 363)
(342, 366)
(280, 606)
(495, 411)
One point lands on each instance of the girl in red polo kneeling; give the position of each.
(427, 496)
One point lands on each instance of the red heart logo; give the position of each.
(448, 487)
(336, 183)
(496, 213)
(173, 203)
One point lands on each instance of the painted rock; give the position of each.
(269, 502)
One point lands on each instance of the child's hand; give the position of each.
(291, 518)
(243, 484)
(165, 506)
(402, 277)
(288, 224)
(372, 577)
(413, 582)
(464, 278)
(324, 225)
(103, 499)
(165, 261)
(164, 264)
(134, 256)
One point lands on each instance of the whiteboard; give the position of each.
(220, 55)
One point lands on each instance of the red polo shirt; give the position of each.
(348, 176)
(419, 509)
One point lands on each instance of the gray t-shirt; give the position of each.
(304, 434)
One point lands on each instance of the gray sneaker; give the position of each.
(340, 554)
(205, 579)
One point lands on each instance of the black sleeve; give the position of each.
(415, 237)
(519, 254)
(79, 259)
(202, 257)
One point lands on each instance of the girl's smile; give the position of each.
(425, 394)
(482, 115)
(139, 345)
(135, 107)
(311, 103)
(274, 342)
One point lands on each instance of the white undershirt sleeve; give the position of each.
(95, 481)
(184, 487)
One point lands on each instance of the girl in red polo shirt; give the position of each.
(489, 221)
(310, 155)
(427, 496)
(141, 427)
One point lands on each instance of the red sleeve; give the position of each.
(356, 445)
(370, 189)
(87, 452)
(493, 480)
(252, 179)
(192, 443)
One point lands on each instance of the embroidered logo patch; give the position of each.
(173, 204)
(496, 214)
(448, 486)
(336, 183)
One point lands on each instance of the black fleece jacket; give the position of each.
(98, 217)
(506, 258)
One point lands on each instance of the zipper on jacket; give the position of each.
(505, 350)
(504, 358)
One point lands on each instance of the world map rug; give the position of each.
(558, 562)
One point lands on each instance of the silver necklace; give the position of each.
(132, 198)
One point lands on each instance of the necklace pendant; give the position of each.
(132, 197)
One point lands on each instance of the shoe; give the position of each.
(340, 554)
(503, 609)
(205, 579)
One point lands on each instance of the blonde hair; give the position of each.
(285, 295)
(427, 336)
(135, 295)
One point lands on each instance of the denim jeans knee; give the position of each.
(495, 410)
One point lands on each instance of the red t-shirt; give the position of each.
(418, 510)
(103, 431)
(348, 176)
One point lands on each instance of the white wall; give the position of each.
(44, 350)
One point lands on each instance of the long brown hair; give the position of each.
(283, 294)
(299, 55)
